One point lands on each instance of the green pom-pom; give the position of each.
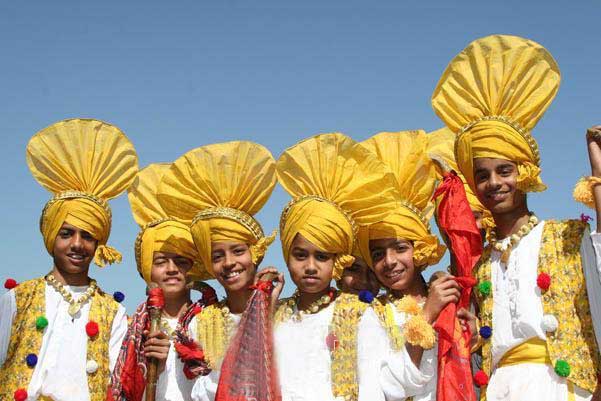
(41, 323)
(562, 368)
(485, 287)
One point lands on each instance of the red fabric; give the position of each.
(10, 283)
(156, 298)
(543, 281)
(187, 352)
(248, 370)
(91, 328)
(133, 380)
(456, 219)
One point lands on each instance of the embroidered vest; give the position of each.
(566, 299)
(26, 339)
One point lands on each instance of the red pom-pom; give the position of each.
(91, 328)
(20, 395)
(9, 284)
(156, 298)
(332, 341)
(480, 378)
(543, 281)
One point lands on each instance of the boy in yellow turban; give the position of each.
(321, 351)
(538, 280)
(60, 334)
(398, 249)
(217, 189)
(166, 256)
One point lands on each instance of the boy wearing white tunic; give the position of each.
(539, 288)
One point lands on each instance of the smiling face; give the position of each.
(169, 272)
(310, 268)
(74, 249)
(496, 185)
(393, 263)
(232, 265)
(358, 277)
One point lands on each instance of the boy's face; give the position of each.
(169, 272)
(358, 277)
(393, 263)
(310, 268)
(496, 185)
(74, 249)
(232, 265)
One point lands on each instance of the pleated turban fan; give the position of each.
(158, 231)
(337, 186)
(217, 189)
(406, 154)
(84, 163)
(492, 95)
(441, 146)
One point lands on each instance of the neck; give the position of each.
(176, 305)
(417, 289)
(305, 299)
(236, 300)
(510, 222)
(74, 279)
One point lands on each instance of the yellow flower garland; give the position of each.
(215, 327)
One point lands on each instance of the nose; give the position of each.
(494, 181)
(171, 266)
(76, 241)
(311, 266)
(229, 260)
(389, 258)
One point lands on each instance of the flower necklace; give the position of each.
(74, 304)
(505, 250)
(291, 309)
(215, 327)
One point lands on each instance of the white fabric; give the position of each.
(205, 387)
(61, 369)
(172, 384)
(400, 378)
(518, 316)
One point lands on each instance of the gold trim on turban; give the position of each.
(217, 189)
(158, 231)
(337, 186)
(84, 163)
(406, 155)
(492, 95)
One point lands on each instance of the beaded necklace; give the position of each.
(74, 304)
(505, 249)
(290, 308)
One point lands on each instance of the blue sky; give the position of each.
(178, 75)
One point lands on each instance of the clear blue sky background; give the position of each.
(175, 75)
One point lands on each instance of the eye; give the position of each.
(401, 248)
(480, 177)
(183, 263)
(299, 255)
(239, 251)
(64, 233)
(216, 257)
(377, 254)
(160, 261)
(322, 257)
(87, 236)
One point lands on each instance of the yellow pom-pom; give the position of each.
(106, 255)
(409, 305)
(418, 332)
(583, 192)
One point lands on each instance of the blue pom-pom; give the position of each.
(32, 360)
(366, 296)
(118, 296)
(485, 332)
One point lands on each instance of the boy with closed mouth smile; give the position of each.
(538, 293)
(322, 337)
(60, 335)
(217, 189)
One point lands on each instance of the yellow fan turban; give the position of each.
(441, 146)
(84, 163)
(337, 186)
(491, 95)
(159, 232)
(217, 189)
(406, 155)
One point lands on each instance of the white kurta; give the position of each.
(518, 316)
(205, 387)
(61, 369)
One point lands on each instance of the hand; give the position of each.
(278, 284)
(443, 291)
(436, 275)
(468, 321)
(593, 139)
(157, 346)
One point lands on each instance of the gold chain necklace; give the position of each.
(292, 303)
(74, 304)
(505, 250)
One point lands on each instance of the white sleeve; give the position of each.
(118, 332)
(8, 310)
(205, 387)
(372, 346)
(590, 252)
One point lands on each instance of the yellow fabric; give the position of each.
(406, 154)
(492, 94)
(26, 339)
(159, 232)
(83, 163)
(336, 186)
(232, 179)
(583, 191)
(574, 340)
(532, 351)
